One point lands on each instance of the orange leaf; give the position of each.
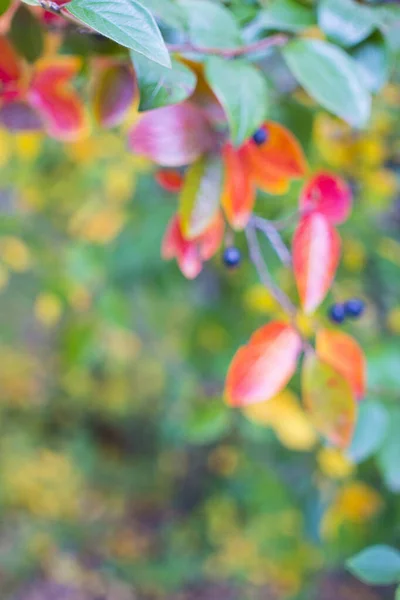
(328, 194)
(170, 180)
(262, 368)
(58, 103)
(238, 195)
(186, 252)
(316, 253)
(260, 170)
(328, 397)
(9, 63)
(282, 152)
(343, 353)
(113, 94)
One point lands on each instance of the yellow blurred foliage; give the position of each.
(27, 145)
(354, 255)
(15, 254)
(4, 277)
(5, 151)
(356, 503)
(258, 299)
(393, 320)
(334, 463)
(287, 418)
(48, 309)
(97, 224)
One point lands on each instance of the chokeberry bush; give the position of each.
(234, 436)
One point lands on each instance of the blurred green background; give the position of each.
(123, 475)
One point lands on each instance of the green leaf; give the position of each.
(31, 2)
(210, 24)
(286, 15)
(4, 6)
(126, 22)
(397, 595)
(389, 454)
(370, 431)
(383, 367)
(372, 58)
(345, 22)
(168, 12)
(330, 76)
(376, 565)
(26, 34)
(243, 92)
(200, 196)
(160, 86)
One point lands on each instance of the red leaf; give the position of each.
(282, 152)
(59, 105)
(262, 368)
(328, 194)
(113, 94)
(316, 253)
(170, 180)
(343, 353)
(172, 136)
(238, 195)
(328, 398)
(10, 70)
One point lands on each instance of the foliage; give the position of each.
(140, 452)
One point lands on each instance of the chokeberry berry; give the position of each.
(354, 308)
(232, 257)
(337, 313)
(260, 136)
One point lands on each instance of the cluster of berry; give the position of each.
(352, 308)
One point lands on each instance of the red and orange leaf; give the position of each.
(316, 253)
(210, 241)
(10, 70)
(260, 171)
(238, 195)
(328, 194)
(172, 136)
(342, 352)
(170, 180)
(263, 367)
(57, 102)
(113, 94)
(327, 396)
(282, 152)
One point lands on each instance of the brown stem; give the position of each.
(263, 273)
(279, 39)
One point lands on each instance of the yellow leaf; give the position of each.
(334, 463)
(48, 309)
(15, 254)
(329, 399)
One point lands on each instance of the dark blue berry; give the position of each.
(232, 257)
(337, 313)
(260, 136)
(354, 308)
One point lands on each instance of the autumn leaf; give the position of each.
(343, 353)
(281, 152)
(113, 92)
(238, 194)
(328, 194)
(316, 252)
(328, 397)
(172, 136)
(262, 368)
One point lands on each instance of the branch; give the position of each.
(279, 39)
(268, 227)
(263, 273)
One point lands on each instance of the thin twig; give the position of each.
(259, 46)
(263, 273)
(60, 11)
(287, 221)
(269, 229)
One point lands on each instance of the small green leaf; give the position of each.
(168, 12)
(370, 431)
(210, 24)
(126, 22)
(389, 454)
(160, 86)
(26, 34)
(4, 6)
(207, 423)
(286, 15)
(330, 76)
(377, 565)
(200, 196)
(372, 58)
(243, 92)
(345, 22)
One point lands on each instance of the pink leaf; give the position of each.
(328, 194)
